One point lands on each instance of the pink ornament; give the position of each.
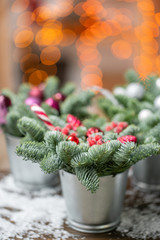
(36, 92)
(52, 103)
(59, 97)
(32, 100)
(5, 101)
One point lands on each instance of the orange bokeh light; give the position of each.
(37, 77)
(150, 47)
(50, 55)
(157, 17)
(19, 5)
(42, 14)
(144, 33)
(25, 19)
(68, 37)
(78, 10)
(91, 69)
(90, 56)
(48, 36)
(23, 38)
(91, 80)
(143, 65)
(29, 62)
(121, 49)
(145, 5)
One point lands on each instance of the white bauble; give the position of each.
(157, 102)
(119, 91)
(144, 114)
(135, 90)
(158, 83)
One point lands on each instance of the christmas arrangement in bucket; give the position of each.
(55, 101)
(93, 163)
(139, 103)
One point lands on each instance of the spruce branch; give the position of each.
(52, 85)
(122, 155)
(30, 126)
(130, 130)
(88, 177)
(66, 151)
(81, 160)
(68, 88)
(52, 138)
(34, 151)
(11, 123)
(131, 76)
(51, 163)
(143, 151)
(49, 110)
(23, 91)
(57, 121)
(73, 102)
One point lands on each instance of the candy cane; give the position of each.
(42, 116)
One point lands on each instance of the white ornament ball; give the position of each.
(119, 91)
(158, 83)
(135, 90)
(157, 102)
(144, 114)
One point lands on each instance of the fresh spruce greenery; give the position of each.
(96, 154)
(75, 103)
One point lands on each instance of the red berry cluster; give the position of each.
(93, 130)
(72, 124)
(95, 140)
(117, 127)
(127, 138)
(73, 121)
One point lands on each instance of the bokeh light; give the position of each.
(50, 55)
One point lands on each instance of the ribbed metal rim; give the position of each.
(93, 228)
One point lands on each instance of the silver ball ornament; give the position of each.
(144, 114)
(157, 102)
(135, 90)
(119, 91)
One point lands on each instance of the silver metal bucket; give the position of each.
(26, 174)
(146, 174)
(98, 212)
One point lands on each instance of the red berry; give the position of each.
(69, 126)
(65, 131)
(118, 129)
(123, 124)
(100, 142)
(109, 128)
(98, 137)
(74, 134)
(73, 139)
(91, 141)
(108, 141)
(71, 119)
(127, 138)
(57, 129)
(93, 130)
(114, 124)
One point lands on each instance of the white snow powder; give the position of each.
(30, 215)
(27, 215)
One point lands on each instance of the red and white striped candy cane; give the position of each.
(42, 116)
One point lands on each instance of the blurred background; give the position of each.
(89, 42)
